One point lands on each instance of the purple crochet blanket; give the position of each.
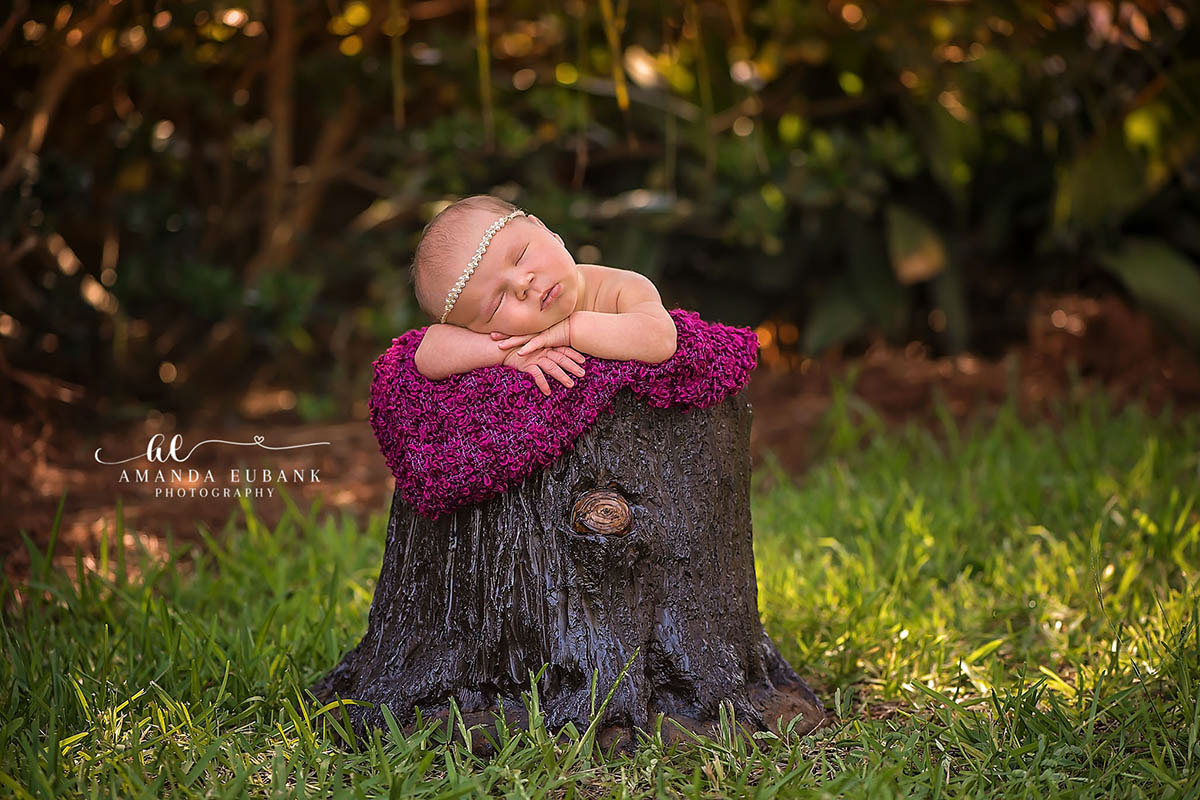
(468, 437)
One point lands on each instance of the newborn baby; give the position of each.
(524, 302)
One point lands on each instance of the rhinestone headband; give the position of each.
(452, 297)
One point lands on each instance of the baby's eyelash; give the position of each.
(502, 294)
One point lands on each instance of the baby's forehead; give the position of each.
(468, 235)
(474, 224)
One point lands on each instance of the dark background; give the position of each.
(208, 208)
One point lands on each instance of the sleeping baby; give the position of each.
(505, 290)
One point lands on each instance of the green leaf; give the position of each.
(1100, 186)
(1163, 280)
(1133, 157)
(950, 146)
(983, 651)
(950, 294)
(916, 249)
(837, 316)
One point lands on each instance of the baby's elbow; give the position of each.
(669, 344)
(427, 370)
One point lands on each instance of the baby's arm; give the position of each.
(632, 335)
(450, 350)
(640, 330)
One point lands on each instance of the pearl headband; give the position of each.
(452, 297)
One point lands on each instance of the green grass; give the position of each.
(1007, 609)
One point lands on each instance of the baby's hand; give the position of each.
(557, 335)
(553, 360)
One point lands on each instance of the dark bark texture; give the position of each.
(639, 539)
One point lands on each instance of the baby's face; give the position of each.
(524, 263)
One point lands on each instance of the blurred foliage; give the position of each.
(204, 198)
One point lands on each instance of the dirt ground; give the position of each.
(1074, 344)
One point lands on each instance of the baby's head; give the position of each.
(523, 262)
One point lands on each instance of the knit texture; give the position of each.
(469, 437)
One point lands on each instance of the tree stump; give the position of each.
(639, 537)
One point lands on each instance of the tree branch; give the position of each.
(27, 141)
(334, 134)
(279, 110)
(10, 24)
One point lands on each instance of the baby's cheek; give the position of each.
(523, 324)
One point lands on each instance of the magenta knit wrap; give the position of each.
(468, 437)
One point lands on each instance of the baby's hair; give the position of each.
(431, 259)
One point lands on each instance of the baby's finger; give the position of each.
(562, 360)
(533, 344)
(539, 379)
(510, 342)
(571, 352)
(556, 372)
(512, 337)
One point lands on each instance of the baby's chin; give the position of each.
(555, 318)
